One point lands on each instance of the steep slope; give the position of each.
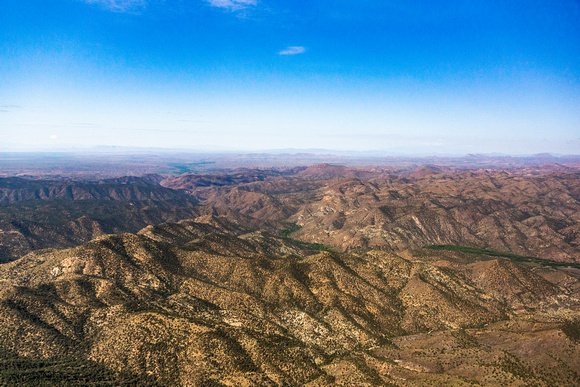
(529, 211)
(191, 304)
(29, 226)
(40, 214)
(525, 215)
(523, 211)
(15, 189)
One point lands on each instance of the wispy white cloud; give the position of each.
(233, 4)
(120, 5)
(9, 108)
(292, 50)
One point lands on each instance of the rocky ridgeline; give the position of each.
(526, 212)
(190, 281)
(40, 214)
(200, 303)
(13, 190)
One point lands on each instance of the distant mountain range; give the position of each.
(97, 165)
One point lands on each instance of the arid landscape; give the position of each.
(407, 274)
(249, 193)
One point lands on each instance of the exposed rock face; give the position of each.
(192, 304)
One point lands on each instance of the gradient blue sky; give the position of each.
(428, 77)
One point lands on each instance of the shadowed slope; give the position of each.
(188, 304)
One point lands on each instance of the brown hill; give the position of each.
(188, 304)
(40, 214)
(524, 215)
(191, 181)
(513, 211)
(25, 227)
(15, 189)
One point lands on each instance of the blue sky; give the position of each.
(417, 77)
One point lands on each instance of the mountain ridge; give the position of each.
(255, 303)
(315, 276)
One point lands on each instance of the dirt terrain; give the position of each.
(316, 276)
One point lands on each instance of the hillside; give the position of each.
(313, 276)
(41, 214)
(527, 212)
(530, 211)
(192, 304)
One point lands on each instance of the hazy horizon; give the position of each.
(371, 153)
(419, 78)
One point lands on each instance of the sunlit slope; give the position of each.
(193, 303)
